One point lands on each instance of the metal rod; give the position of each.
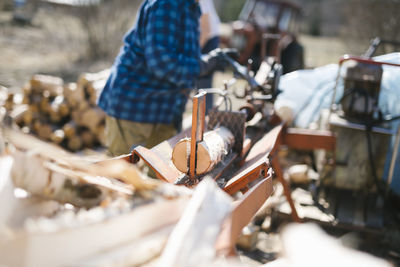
(394, 157)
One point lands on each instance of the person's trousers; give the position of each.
(121, 135)
(206, 82)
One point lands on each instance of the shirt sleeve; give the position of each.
(162, 39)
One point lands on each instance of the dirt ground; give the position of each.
(41, 48)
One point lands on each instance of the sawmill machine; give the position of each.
(234, 147)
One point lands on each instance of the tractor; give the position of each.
(266, 28)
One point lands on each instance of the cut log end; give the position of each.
(210, 151)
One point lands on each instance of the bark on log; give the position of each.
(215, 145)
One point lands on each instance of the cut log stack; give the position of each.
(63, 113)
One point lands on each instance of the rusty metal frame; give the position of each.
(242, 213)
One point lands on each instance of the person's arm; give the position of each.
(204, 29)
(161, 42)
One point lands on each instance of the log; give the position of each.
(29, 116)
(92, 118)
(18, 114)
(215, 145)
(34, 108)
(75, 143)
(74, 94)
(58, 109)
(26, 99)
(70, 129)
(40, 83)
(57, 136)
(27, 89)
(86, 78)
(83, 106)
(64, 109)
(36, 125)
(36, 98)
(88, 138)
(199, 228)
(3, 94)
(44, 105)
(18, 99)
(76, 116)
(9, 102)
(44, 131)
(32, 173)
(94, 88)
(55, 116)
(116, 168)
(10, 97)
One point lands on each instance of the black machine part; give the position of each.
(362, 83)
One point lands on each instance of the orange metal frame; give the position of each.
(254, 168)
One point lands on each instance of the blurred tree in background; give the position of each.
(105, 24)
(229, 10)
(366, 19)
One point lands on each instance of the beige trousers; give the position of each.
(122, 134)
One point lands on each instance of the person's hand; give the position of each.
(216, 60)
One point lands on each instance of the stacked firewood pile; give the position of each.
(63, 113)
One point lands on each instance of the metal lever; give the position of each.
(198, 119)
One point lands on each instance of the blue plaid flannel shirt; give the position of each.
(158, 63)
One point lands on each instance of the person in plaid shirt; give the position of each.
(145, 95)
